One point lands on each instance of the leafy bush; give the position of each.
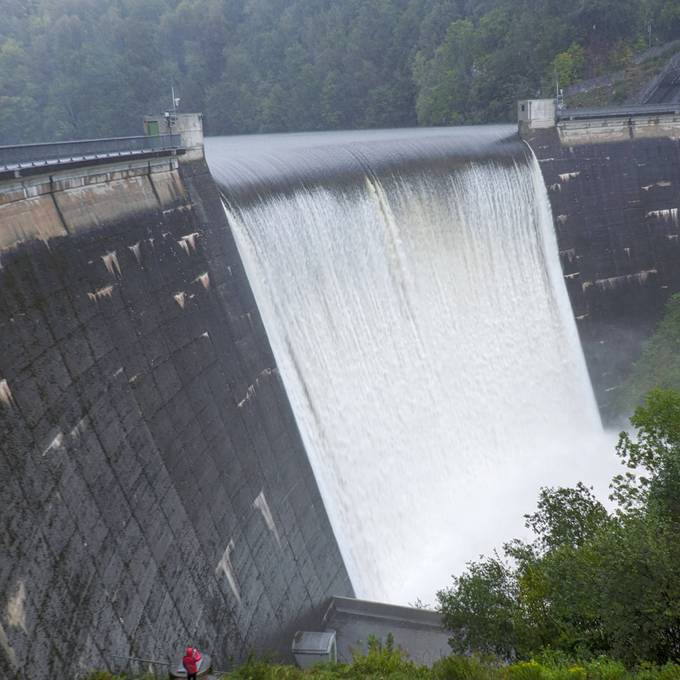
(464, 668)
(527, 670)
(669, 671)
(384, 661)
(606, 669)
(258, 669)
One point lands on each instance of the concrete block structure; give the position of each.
(188, 125)
(536, 114)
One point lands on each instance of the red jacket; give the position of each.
(190, 660)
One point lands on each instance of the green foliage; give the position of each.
(668, 21)
(85, 69)
(652, 482)
(591, 583)
(483, 603)
(659, 365)
(526, 670)
(606, 669)
(569, 65)
(262, 670)
(382, 662)
(465, 668)
(566, 517)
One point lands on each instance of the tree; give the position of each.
(591, 582)
(444, 81)
(481, 609)
(568, 65)
(566, 517)
(95, 67)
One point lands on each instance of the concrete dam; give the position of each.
(613, 178)
(341, 364)
(155, 487)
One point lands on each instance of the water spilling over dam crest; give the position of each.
(410, 286)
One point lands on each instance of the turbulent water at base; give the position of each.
(410, 286)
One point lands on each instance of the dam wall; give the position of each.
(614, 187)
(155, 490)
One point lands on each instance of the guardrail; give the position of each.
(619, 112)
(153, 667)
(136, 664)
(55, 153)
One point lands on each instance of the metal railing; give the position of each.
(619, 112)
(136, 664)
(152, 667)
(55, 153)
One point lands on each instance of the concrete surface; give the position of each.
(144, 432)
(615, 203)
(418, 632)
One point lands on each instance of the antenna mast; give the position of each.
(175, 100)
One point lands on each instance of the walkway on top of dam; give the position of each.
(618, 111)
(26, 159)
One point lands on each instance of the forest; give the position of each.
(89, 68)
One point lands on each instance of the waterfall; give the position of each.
(411, 290)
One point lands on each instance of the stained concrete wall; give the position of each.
(615, 203)
(155, 489)
(418, 632)
(618, 129)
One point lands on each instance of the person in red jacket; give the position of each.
(190, 662)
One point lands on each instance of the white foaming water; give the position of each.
(425, 338)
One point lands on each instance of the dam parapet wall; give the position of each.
(156, 491)
(613, 179)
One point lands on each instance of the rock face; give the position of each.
(615, 206)
(155, 490)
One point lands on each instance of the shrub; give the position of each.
(384, 660)
(533, 670)
(464, 668)
(606, 669)
(526, 670)
(571, 673)
(261, 669)
(670, 671)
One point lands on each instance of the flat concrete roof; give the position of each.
(382, 611)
